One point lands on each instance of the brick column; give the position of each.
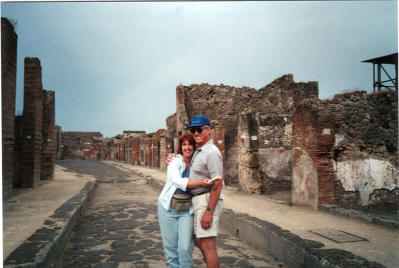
(155, 153)
(32, 123)
(8, 88)
(58, 137)
(217, 135)
(150, 147)
(136, 151)
(248, 163)
(165, 149)
(142, 151)
(49, 136)
(121, 150)
(181, 113)
(147, 154)
(18, 152)
(312, 166)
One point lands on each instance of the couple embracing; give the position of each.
(190, 204)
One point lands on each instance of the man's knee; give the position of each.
(207, 243)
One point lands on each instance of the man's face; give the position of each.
(201, 134)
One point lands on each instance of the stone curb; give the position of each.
(41, 248)
(368, 217)
(282, 244)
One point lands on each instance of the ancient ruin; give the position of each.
(29, 140)
(280, 138)
(346, 150)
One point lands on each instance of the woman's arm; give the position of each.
(174, 176)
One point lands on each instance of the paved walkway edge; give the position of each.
(282, 244)
(41, 249)
(367, 217)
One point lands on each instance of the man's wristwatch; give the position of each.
(209, 209)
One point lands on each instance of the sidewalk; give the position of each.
(36, 221)
(279, 228)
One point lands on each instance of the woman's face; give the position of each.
(187, 148)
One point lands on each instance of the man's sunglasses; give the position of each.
(194, 129)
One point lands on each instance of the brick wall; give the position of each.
(32, 123)
(8, 88)
(49, 136)
(97, 152)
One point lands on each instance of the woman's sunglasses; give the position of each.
(194, 129)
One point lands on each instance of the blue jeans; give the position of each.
(177, 236)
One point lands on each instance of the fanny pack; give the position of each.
(181, 201)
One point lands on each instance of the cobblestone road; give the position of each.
(120, 227)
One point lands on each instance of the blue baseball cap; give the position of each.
(199, 120)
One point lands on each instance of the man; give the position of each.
(207, 162)
(207, 203)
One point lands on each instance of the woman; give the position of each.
(176, 222)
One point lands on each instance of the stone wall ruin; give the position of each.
(346, 150)
(272, 107)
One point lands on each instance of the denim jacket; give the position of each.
(173, 181)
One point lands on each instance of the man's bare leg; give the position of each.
(207, 245)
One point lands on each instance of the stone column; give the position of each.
(248, 164)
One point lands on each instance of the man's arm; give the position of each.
(206, 220)
(215, 166)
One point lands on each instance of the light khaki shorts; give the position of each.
(200, 204)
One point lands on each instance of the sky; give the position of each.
(115, 66)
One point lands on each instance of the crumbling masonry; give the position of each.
(346, 150)
(29, 141)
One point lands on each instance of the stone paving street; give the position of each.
(120, 227)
